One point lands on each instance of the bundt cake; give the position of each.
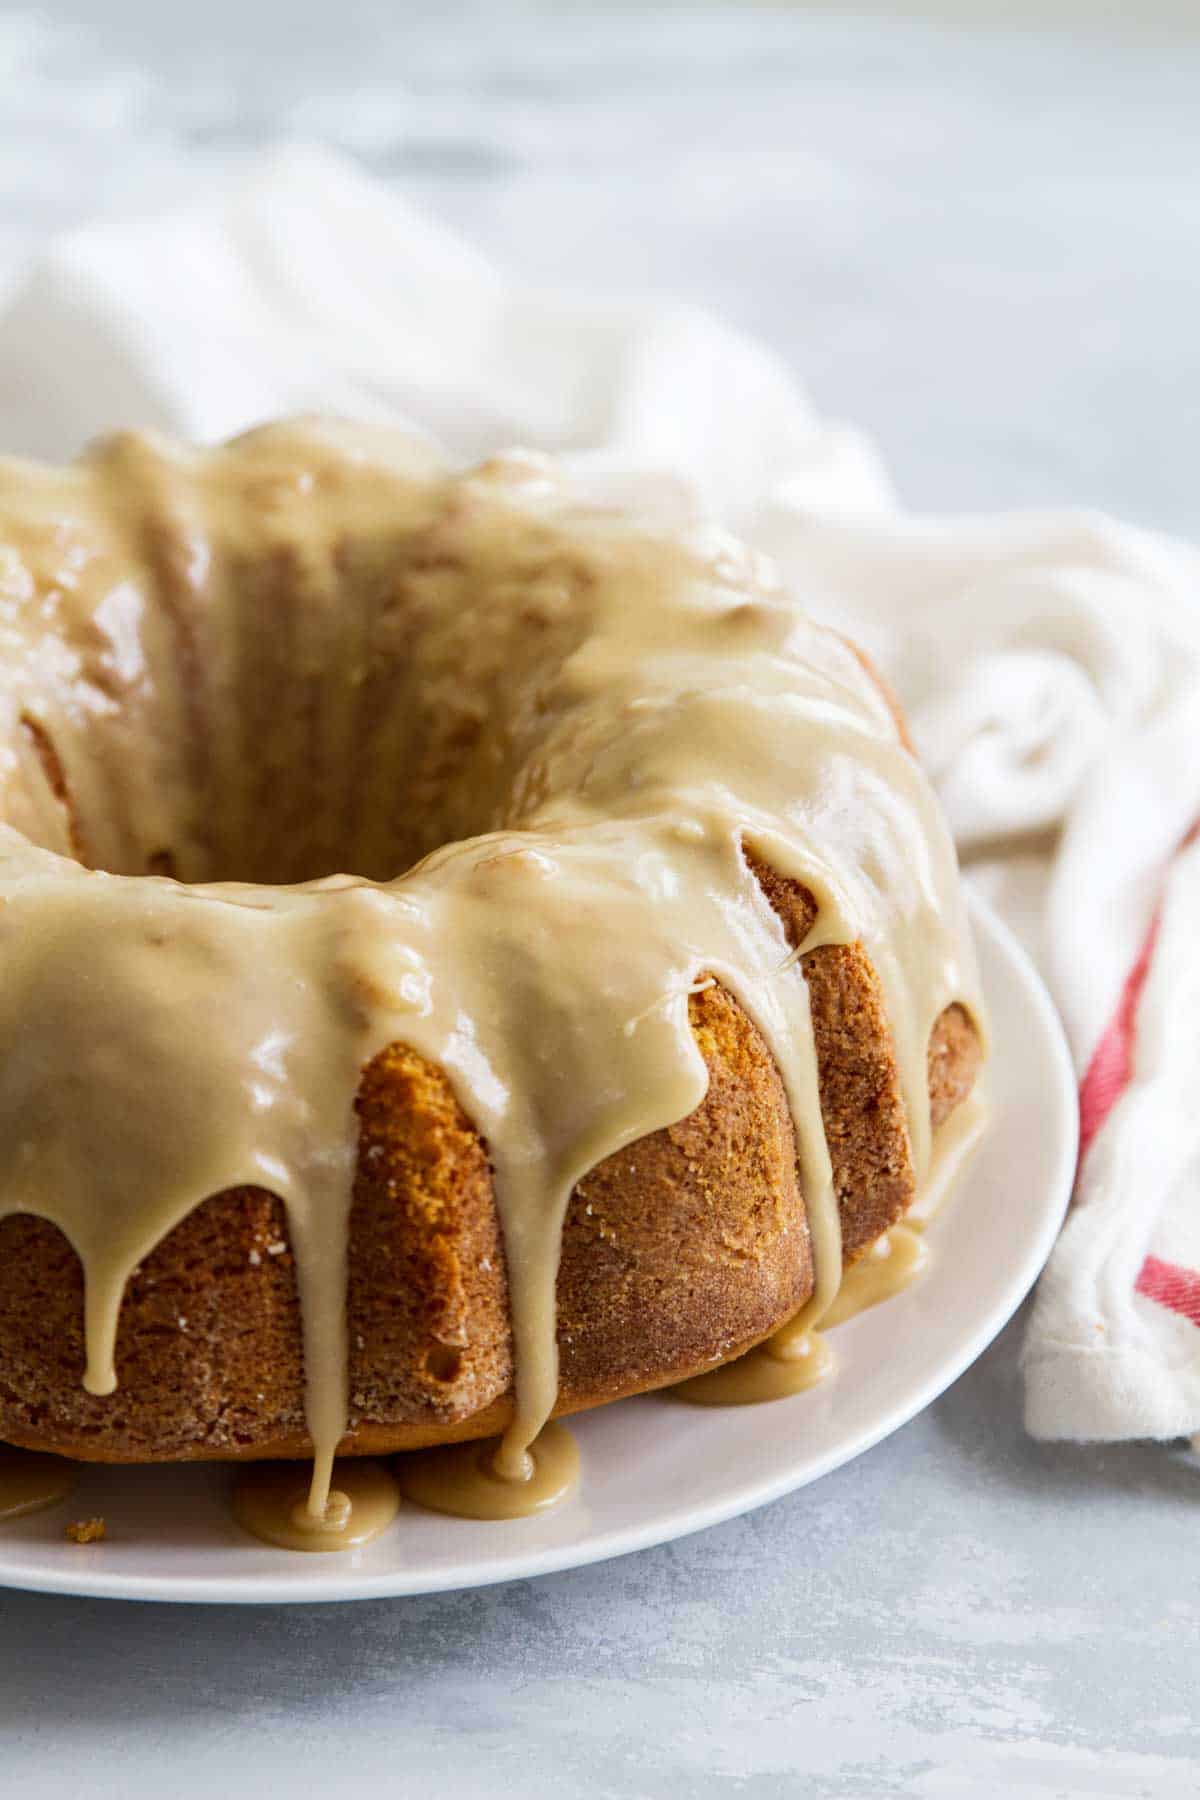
(630, 1022)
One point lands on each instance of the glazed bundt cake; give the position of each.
(466, 954)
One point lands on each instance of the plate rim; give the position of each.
(347, 1585)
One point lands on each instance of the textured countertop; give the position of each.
(982, 246)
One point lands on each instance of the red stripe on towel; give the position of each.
(1108, 1075)
(1111, 1068)
(1175, 1288)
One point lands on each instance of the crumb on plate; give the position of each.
(86, 1531)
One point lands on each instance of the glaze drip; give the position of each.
(542, 737)
(274, 1502)
(463, 1480)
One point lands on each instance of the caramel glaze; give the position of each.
(465, 1481)
(762, 1374)
(273, 1502)
(555, 745)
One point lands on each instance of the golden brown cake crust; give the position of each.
(678, 1253)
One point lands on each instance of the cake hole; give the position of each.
(443, 1364)
(366, 711)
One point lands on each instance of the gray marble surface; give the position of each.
(981, 243)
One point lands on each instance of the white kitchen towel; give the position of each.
(1050, 663)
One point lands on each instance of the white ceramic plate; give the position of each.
(652, 1469)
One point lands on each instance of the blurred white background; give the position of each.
(976, 238)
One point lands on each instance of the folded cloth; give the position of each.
(1050, 662)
